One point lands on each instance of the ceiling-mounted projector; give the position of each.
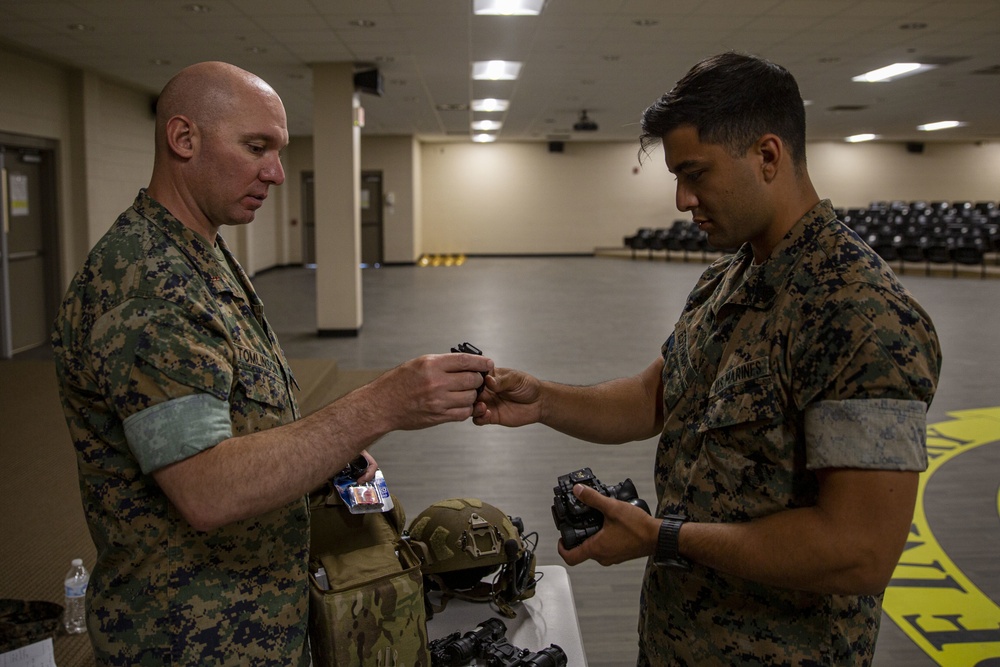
(585, 124)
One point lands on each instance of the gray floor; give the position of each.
(583, 320)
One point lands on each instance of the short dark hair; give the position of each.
(733, 99)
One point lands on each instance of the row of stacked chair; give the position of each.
(936, 232)
(682, 236)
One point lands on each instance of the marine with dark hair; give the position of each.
(790, 401)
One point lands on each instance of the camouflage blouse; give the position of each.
(154, 330)
(818, 358)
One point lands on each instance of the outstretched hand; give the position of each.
(628, 531)
(430, 390)
(511, 398)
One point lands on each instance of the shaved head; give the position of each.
(219, 135)
(208, 93)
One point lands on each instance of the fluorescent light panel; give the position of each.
(486, 125)
(490, 104)
(484, 138)
(857, 138)
(940, 125)
(507, 7)
(495, 70)
(892, 72)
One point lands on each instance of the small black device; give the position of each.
(576, 521)
(355, 468)
(469, 348)
(488, 645)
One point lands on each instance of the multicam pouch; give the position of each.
(370, 610)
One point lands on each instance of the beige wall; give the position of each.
(37, 99)
(504, 198)
(398, 160)
(118, 147)
(518, 198)
(855, 175)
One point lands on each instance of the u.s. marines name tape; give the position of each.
(929, 597)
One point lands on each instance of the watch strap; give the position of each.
(667, 547)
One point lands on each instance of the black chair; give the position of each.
(939, 247)
(659, 240)
(640, 240)
(969, 249)
(886, 245)
(912, 248)
(676, 235)
(987, 208)
(695, 240)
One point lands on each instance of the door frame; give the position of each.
(19, 144)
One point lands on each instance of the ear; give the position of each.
(182, 136)
(772, 154)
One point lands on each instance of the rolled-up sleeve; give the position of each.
(876, 433)
(177, 429)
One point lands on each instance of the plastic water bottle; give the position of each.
(75, 616)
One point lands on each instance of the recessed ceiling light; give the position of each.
(256, 49)
(940, 125)
(490, 104)
(198, 8)
(484, 138)
(495, 70)
(159, 61)
(486, 125)
(858, 138)
(507, 7)
(892, 72)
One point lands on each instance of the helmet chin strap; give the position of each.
(515, 577)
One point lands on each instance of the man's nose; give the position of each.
(686, 201)
(273, 173)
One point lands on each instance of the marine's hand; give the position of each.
(628, 531)
(370, 470)
(432, 389)
(511, 398)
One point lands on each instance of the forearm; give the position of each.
(788, 550)
(616, 411)
(835, 547)
(256, 473)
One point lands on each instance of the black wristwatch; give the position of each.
(667, 554)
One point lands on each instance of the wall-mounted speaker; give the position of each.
(914, 147)
(556, 146)
(368, 81)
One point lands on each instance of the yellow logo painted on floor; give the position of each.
(929, 597)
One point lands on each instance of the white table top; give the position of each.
(549, 617)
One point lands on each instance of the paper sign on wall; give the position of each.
(18, 195)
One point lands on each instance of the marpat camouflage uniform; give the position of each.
(161, 355)
(819, 359)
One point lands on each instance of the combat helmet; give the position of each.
(464, 540)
